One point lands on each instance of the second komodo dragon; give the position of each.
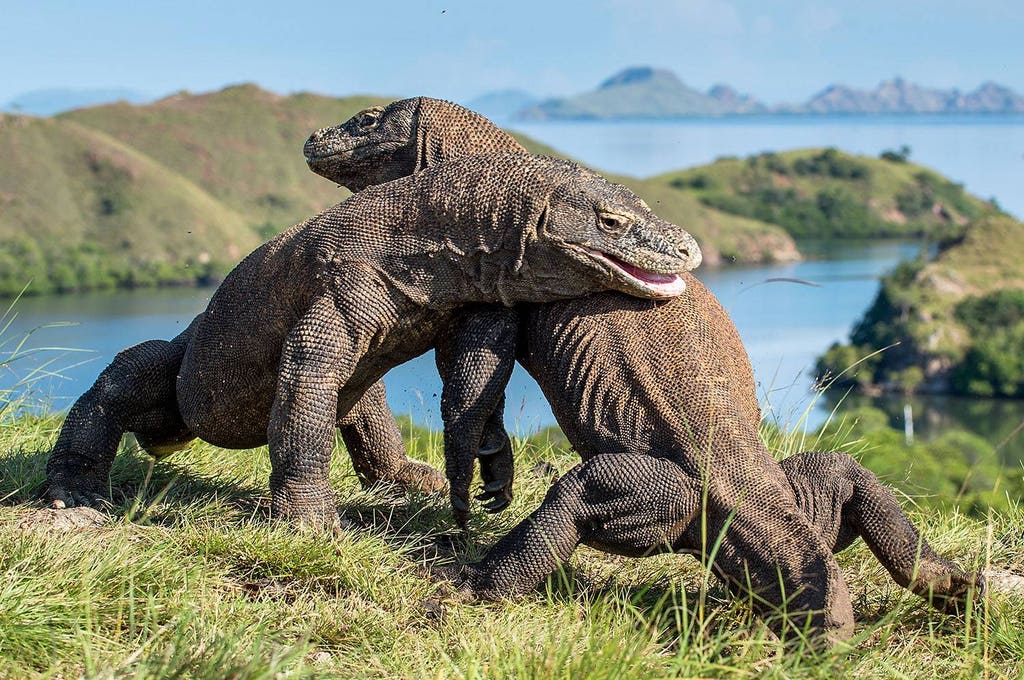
(659, 400)
(307, 322)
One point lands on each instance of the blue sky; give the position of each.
(782, 51)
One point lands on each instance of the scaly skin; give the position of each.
(659, 400)
(308, 322)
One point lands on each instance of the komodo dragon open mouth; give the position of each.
(656, 284)
(325, 152)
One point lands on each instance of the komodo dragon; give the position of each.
(307, 322)
(659, 400)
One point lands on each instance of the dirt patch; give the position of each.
(64, 520)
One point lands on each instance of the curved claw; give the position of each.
(496, 485)
(496, 495)
(62, 499)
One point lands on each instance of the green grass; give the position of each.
(189, 578)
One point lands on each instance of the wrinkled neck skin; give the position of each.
(444, 132)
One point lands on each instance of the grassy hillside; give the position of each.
(242, 144)
(79, 209)
(959, 319)
(829, 193)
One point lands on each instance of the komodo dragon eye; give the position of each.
(612, 223)
(368, 121)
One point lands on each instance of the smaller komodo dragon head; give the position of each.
(383, 143)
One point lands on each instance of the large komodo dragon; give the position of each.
(306, 323)
(659, 400)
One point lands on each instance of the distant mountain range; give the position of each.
(646, 92)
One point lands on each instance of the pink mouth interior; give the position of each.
(668, 284)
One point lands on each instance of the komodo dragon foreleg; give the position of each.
(319, 355)
(135, 393)
(475, 363)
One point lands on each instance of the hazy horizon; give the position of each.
(783, 53)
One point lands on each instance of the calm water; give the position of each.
(785, 325)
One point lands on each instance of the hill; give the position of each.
(958, 319)
(643, 92)
(242, 144)
(79, 209)
(829, 193)
(178, 190)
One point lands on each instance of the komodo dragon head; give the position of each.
(383, 143)
(607, 227)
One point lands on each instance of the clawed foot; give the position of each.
(954, 602)
(326, 522)
(69, 490)
(309, 508)
(421, 477)
(456, 581)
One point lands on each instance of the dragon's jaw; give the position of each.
(638, 280)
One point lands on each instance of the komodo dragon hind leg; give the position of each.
(845, 500)
(638, 505)
(475, 364)
(374, 444)
(135, 393)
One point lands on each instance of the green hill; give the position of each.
(829, 193)
(242, 144)
(81, 210)
(959, 320)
